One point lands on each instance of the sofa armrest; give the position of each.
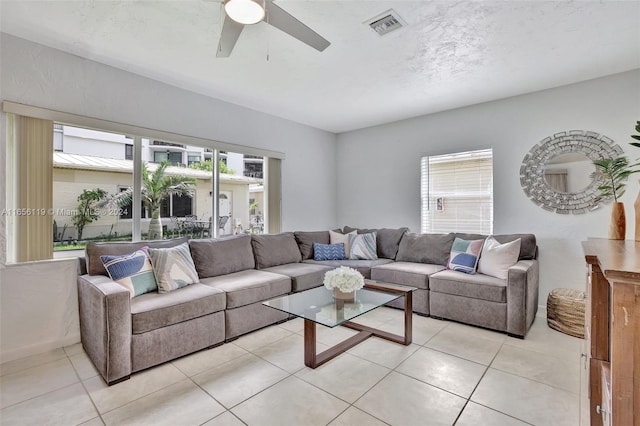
(105, 325)
(522, 296)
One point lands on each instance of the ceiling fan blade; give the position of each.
(283, 21)
(230, 32)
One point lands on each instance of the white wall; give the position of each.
(40, 76)
(378, 167)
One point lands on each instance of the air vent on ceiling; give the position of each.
(386, 22)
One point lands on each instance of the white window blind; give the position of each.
(457, 192)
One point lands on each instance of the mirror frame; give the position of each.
(594, 145)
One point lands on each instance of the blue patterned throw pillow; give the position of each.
(174, 267)
(133, 271)
(363, 246)
(464, 255)
(328, 251)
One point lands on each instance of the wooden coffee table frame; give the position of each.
(313, 359)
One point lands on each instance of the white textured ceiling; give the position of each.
(451, 54)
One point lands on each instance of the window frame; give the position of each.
(65, 118)
(434, 217)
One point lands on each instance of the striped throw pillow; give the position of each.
(174, 267)
(363, 246)
(132, 271)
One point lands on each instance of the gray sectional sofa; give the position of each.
(236, 274)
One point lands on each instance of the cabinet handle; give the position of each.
(600, 410)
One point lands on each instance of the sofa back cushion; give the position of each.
(387, 239)
(528, 246)
(425, 248)
(221, 256)
(274, 250)
(93, 251)
(305, 240)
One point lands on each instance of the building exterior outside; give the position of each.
(86, 160)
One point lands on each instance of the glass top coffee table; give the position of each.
(318, 306)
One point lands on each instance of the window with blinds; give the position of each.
(457, 192)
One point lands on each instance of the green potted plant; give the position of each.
(612, 174)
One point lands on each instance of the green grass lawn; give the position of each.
(64, 247)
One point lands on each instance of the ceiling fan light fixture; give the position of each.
(245, 12)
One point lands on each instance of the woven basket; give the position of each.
(565, 311)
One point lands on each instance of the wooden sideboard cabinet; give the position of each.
(612, 331)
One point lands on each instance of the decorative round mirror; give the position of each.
(556, 173)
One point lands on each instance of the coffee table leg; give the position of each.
(309, 343)
(408, 317)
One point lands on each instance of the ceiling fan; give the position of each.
(239, 13)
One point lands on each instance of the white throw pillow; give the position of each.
(337, 238)
(496, 258)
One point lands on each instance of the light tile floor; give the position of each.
(451, 374)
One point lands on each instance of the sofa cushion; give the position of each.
(528, 245)
(305, 241)
(496, 258)
(476, 286)
(363, 246)
(132, 271)
(157, 310)
(221, 256)
(328, 251)
(387, 239)
(405, 273)
(362, 266)
(303, 275)
(93, 251)
(250, 286)
(425, 248)
(173, 267)
(274, 250)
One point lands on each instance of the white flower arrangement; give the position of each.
(344, 279)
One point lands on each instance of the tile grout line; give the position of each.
(503, 344)
(84, 386)
(478, 384)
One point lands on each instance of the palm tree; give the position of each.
(156, 187)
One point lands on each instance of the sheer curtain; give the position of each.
(557, 179)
